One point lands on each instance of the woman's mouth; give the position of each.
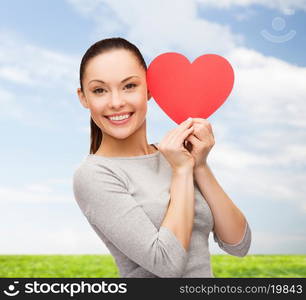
(120, 122)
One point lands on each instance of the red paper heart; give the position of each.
(185, 90)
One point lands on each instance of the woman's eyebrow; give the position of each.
(124, 80)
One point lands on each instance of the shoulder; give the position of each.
(96, 169)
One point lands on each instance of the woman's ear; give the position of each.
(82, 98)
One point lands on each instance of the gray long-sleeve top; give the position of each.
(125, 200)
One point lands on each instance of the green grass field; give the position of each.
(103, 266)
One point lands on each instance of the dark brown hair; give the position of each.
(94, 50)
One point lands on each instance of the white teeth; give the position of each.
(118, 118)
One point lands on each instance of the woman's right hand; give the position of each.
(172, 146)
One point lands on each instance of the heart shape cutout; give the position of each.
(183, 89)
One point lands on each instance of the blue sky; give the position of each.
(260, 153)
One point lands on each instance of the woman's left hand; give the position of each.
(202, 140)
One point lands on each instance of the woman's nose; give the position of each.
(116, 100)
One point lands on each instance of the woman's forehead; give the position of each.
(114, 65)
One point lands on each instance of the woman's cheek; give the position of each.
(135, 100)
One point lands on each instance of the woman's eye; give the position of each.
(98, 91)
(130, 85)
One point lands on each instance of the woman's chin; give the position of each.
(120, 135)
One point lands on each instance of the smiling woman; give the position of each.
(113, 87)
(143, 202)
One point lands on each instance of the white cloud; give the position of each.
(15, 74)
(244, 177)
(284, 6)
(77, 239)
(268, 90)
(85, 7)
(39, 192)
(156, 32)
(245, 15)
(38, 85)
(32, 65)
(265, 243)
(10, 108)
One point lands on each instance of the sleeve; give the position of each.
(241, 248)
(106, 202)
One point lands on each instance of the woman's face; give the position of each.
(115, 82)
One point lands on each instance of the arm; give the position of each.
(104, 199)
(180, 214)
(231, 229)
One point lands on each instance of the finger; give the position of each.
(185, 123)
(168, 137)
(165, 139)
(200, 120)
(205, 123)
(201, 131)
(179, 139)
(193, 139)
(181, 128)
